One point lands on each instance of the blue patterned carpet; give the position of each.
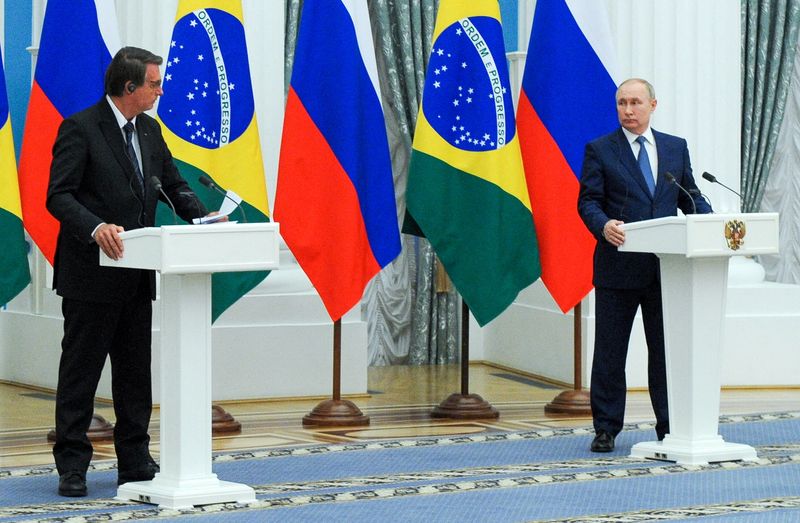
(544, 475)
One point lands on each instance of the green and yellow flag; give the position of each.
(209, 121)
(466, 185)
(14, 272)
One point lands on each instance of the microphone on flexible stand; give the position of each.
(156, 183)
(713, 179)
(208, 182)
(671, 179)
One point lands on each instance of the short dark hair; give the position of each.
(128, 65)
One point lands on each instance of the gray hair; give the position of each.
(650, 89)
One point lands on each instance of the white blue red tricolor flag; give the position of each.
(335, 196)
(567, 100)
(79, 38)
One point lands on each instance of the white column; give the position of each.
(186, 377)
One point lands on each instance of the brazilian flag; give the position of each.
(14, 272)
(466, 184)
(208, 118)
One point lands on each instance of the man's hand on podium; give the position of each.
(107, 237)
(613, 233)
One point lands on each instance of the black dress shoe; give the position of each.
(72, 484)
(145, 472)
(603, 442)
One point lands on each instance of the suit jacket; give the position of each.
(92, 181)
(613, 187)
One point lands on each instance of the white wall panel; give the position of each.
(691, 52)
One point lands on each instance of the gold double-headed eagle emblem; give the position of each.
(735, 231)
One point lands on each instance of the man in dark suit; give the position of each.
(104, 160)
(618, 186)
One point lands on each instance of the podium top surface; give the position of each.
(704, 235)
(207, 248)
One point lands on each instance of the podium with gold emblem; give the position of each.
(694, 252)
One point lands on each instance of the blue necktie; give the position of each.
(129, 130)
(644, 165)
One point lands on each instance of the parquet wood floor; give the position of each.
(399, 402)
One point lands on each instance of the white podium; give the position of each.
(186, 255)
(694, 252)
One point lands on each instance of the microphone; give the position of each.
(671, 179)
(156, 183)
(208, 182)
(713, 179)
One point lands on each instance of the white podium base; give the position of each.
(693, 452)
(185, 493)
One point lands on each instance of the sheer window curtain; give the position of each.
(412, 310)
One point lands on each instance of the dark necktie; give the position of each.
(644, 165)
(129, 130)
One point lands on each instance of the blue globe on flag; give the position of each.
(467, 93)
(208, 97)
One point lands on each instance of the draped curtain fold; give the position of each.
(411, 309)
(782, 191)
(403, 32)
(769, 40)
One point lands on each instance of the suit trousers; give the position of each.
(92, 331)
(615, 312)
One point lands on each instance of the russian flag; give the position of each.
(79, 38)
(335, 194)
(567, 100)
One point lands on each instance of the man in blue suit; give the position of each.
(630, 175)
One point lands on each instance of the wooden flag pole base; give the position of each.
(333, 413)
(574, 402)
(336, 412)
(465, 406)
(99, 430)
(222, 422)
